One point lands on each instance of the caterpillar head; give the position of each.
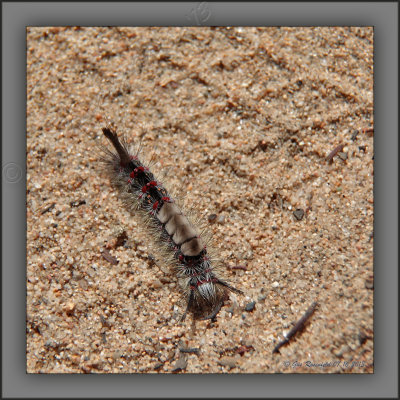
(207, 296)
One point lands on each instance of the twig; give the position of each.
(298, 327)
(195, 350)
(333, 153)
(242, 267)
(48, 208)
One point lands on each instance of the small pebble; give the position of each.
(250, 306)
(69, 308)
(50, 343)
(369, 283)
(158, 366)
(342, 350)
(230, 310)
(221, 219)
(362, 337)
(212, 217)
(229, 362)
(157, 284)
(75, 359)
(180, 365)
(107, 256)
(299, 214)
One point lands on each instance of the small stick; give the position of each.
(333, 153)
(368, 130)
(48, 208)
(195, 350)
(107, 256)
(242, 267)
(77, 203)
(298, 327)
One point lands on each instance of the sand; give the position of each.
(267, 133)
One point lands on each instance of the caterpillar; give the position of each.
(198, 277)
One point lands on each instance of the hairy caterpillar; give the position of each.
(203, 290)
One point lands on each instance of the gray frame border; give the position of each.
(16, 16)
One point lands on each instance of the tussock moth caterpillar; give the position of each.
(203, 289)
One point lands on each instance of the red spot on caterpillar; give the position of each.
(155, 205)
(147, 186)
(166, 199)
(136, 171)
(208, 270)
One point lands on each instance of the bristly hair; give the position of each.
(178, 239)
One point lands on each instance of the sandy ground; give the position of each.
(244, 121)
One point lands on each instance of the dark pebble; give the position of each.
(212, 217)
(152, 260)
(250, 306)
(362, 148)
(299, 214)
(158, 366)
(362, 337)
